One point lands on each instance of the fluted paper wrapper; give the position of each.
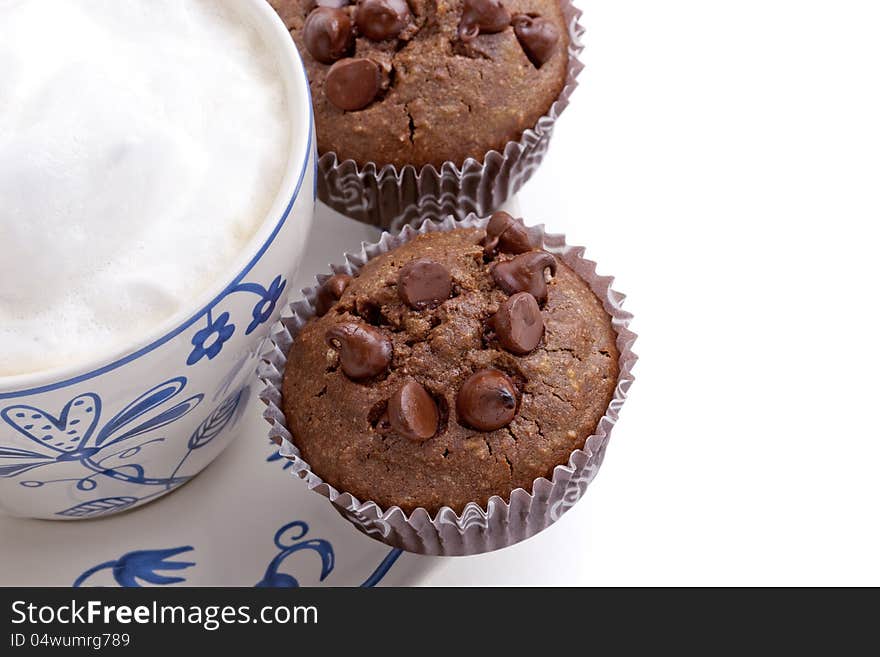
(476, 529)
(390, 198)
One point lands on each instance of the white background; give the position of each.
(722, 160)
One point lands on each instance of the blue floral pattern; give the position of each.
(142, 565)
(266, 305)
(208, 340)
(132, 568)
(106, 451)
(288, 540)
(75, 435)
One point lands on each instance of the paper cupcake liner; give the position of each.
(390, 198)
(476, 529)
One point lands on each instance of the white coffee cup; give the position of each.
(122, 430)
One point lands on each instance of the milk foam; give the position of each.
(141, 145)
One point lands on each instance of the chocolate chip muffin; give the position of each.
(427, 81)
(460, 365)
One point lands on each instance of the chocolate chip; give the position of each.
(423, 284)
(364, 351)
(487, 400)
(506, 234)
(333, 4)
(519, 324)
(525, 273)
(352, 83)
(482, 16)
(327, 34)
(412, 412)
(538, 37)
(382, 19)
(330, 292)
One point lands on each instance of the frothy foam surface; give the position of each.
(142, 143)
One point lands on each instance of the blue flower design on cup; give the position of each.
(225, 415)
(74, 436)
(216, 423)
(209, 340)
(266, 305)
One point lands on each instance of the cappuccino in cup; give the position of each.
(142, 143)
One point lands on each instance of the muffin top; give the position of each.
(426, 81)
(450, 370)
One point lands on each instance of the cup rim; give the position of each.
(301, 144)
